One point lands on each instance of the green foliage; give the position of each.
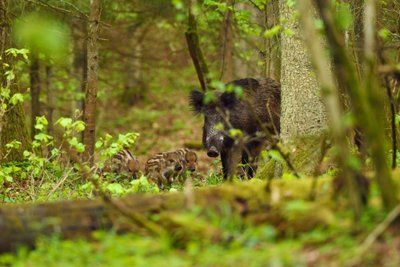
(8, 100)
(242, 245)
(42, 34)
(274, 31)
(343, 16)
(131, 250)
(109, 147)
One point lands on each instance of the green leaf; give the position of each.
(274, 31)
(219, 126)
(41, 123)
(80, 147)
(5, 92)
(43, 137)
(14, 144)
(344, 18)
(99, 144)
(66, 123)
(55, 152)
(115, 188)
(17, 98)
(397, 119)
(235, 133)
(290, 3)
(42, 34)
(218, 85)
(79, 126)
(73, 141)
(319, 24)
(9, 75)
(178, 4)
(209, 97)
(288, 32)
(354, 163)
(275, 155)
(385, 34)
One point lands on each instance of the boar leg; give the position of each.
(250, 157)
(230, 160)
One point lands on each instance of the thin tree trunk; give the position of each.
(35, 91)
(79, 32)
(272, 45)
(192, 40)
(50, 101)
(358, 6)
(4, 33)
(133, 81)
(89, 113)
(227, 45)
(376, 102)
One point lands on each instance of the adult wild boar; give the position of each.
(257, 110)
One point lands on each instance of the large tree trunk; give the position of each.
(12, 122)
(89, 113)
(34, 74)
(22, 224)
(303, 115)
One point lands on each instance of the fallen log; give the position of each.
(22, 224)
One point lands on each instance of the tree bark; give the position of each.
(50, 101)
(89, 113)
(12, 124)
(192, 40)
(227, 47)
(303, 115)
(22, 224)
(272, 65)
(34, 74)
(133, 81)
(79, 33)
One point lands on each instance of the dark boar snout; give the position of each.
(212, 152)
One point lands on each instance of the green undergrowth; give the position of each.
(243, 245)
(23, 182)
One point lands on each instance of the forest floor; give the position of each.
(165, 122)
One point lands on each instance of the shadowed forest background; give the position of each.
(83, 82)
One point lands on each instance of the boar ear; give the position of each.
(228, 99)
(196, 100)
